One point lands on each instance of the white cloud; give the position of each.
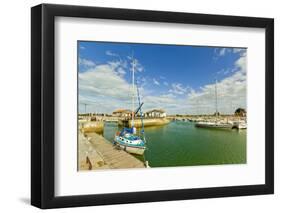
(225, 71)
(103, 80)
(156, 82)
(110, 53)
(118, 67)
(231, 92)
(219, 52)
(241, 63)
(222, 51)
(178, 89)
(86, 62)
(241, 51)
(121, 71)
(168, 102)
(105, 89)
(166, 83)
(138, 66)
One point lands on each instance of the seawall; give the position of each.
(147, 122)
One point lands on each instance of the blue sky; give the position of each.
(179, 79)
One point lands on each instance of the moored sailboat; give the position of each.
(128, 139)
(239, 125)
(214, 124)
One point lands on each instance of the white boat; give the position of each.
(218, 125)
(239, 125)
(130, 142)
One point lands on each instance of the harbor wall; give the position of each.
(147, 122)
(91, 126)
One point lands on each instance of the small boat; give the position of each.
(217, 125)
(239, 125)
(130, 142)
(127, 139)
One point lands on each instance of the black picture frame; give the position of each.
(43, 102)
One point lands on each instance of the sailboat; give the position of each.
(128, 139)
(214, 124)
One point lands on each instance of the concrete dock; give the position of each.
(95, 152)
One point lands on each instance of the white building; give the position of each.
(156, 113)
(122, 113)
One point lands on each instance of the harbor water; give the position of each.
(180, 143)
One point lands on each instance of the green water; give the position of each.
(182, 144)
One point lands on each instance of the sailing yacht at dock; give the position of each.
(216, 124)
(127, 139)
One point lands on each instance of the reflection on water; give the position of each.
(182, 144)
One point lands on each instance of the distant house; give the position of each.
(156, 113)
(122, 113)
(240, 112)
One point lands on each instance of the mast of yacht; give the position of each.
(140, 110)
(133, 96)
(216, 93)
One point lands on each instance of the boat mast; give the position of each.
(141, 114)
(133, 96)
(216, 93)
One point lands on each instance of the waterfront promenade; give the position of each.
(95, 152)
